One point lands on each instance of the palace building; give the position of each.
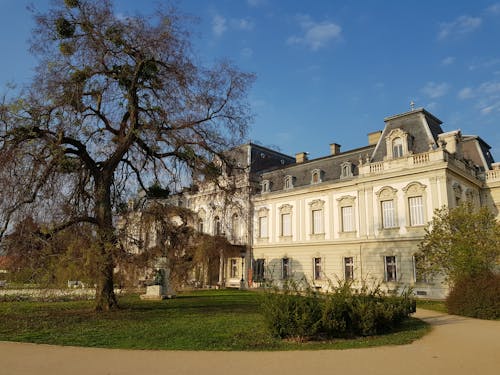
(353, 214)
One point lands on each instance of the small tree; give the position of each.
(460, 242)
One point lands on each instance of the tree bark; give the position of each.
(105, 294)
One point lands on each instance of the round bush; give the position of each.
(476, 297)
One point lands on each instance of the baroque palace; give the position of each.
(355, 214)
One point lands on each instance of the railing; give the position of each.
(493, 175)
(377, 167)
(419, 160)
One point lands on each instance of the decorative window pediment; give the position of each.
(397, 144)
(414, 188)
(286, 209)
(386, 192)
(317, 204)
(264, 211)
(346, 200)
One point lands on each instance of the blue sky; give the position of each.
(330, 71)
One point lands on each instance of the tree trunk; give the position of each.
(105, 294)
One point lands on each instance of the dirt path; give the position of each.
(455, 346)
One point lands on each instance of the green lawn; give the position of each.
(432, 305)
(205, 320)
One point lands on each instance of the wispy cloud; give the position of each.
(256, 3)
(242, 24)
(493, 9)
(315, 35)
(484, 64)
(246, 52)
(486, 96)
(466, 93)
(461, 25)
(435, 90)
(448, 60)
(219, 25)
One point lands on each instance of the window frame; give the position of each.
(317, 268)
(259, 270)
(390, 268)
(233, 273)
(387, 194)
(285, 268)
(415, 190)
(286, 227)
(348, 266)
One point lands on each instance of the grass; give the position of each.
(205, 320)
(432, 305)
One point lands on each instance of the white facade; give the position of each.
(367, 225)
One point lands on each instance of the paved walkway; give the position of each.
(456, 345)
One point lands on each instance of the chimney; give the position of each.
(334, 148)
(300, 157)
(374, 137)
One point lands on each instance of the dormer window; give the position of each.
(316, 176)
(346, 169)
(265, 186)
(397, 148)
(398, 144)
(288, 182)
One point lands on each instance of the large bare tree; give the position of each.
(116, 103)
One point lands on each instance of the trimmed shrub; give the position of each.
(292, 313)
(476, 297)
(305, 314)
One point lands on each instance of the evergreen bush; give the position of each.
(298, 311)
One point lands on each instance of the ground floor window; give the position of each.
(285, 268)
(234, 268)
(390, 268)
(349, 268)
(258, 270)
(317, 268)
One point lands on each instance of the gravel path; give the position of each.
(456, 346)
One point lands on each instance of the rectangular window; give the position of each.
(286, 224)
(317, 221)
(347, 219)
(349, 268)
(390, 268)
(388, 214)
(258, 270)
(416, 208)
(263, 227)
(317, 268)
(234, 268)
(285, 268)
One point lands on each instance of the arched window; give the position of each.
(397, 148)
(200, 225)
(316, 177)
(288, 182)
(217, 226)
(235, 226)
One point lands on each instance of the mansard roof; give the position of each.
(330, 166)
(258, 158)
(422, 127)
(422, 131)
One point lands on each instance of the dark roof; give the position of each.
(422, 127)
(330, 167)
